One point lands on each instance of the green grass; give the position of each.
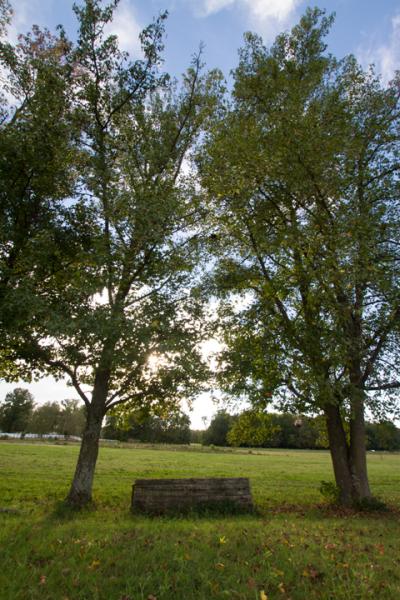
(293, 548)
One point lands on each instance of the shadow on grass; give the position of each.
(63, 511)
(205, 510)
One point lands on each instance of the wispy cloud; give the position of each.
(278, 10)
(267, 17)
(386, 57)
(24, 15)
(126, 26)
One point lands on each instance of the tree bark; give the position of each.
(339, 454)
(80, 492)
(357, 451)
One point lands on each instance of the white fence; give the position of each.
(45, 436)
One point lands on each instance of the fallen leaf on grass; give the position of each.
(263, 595)
(282, 588)
(220, 566)
(42, 579)
(94, 565)
(251, 583)
(312, 573)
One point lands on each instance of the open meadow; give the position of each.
(293, 547)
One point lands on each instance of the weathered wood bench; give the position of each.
(159, 496)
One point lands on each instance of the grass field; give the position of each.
(294, 547)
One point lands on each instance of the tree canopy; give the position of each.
(100, 256)
(302, 179)
(16, 411)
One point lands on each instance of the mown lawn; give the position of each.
(294, 547)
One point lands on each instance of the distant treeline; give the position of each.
(19, 413)
(272, 430)
(247, 429)
(173, 429)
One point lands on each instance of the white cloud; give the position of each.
(24, 15)
(213, 6)
(278, 10)
(386, 57)
(126, 27)
(271, 9)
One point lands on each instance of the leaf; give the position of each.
(94, 565)
(313, 573)
(251, 583)
(263, 595)
(42, 580)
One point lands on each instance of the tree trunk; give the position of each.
(80, 492)
(339, 453)
(358, 455)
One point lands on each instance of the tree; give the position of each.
(174, 428)
(383, 436)
(16, 411)
(72, 418)
(37, 176)
(302, 184)
(118, 315)
(45, 418)
(252, 428)
(217, 431)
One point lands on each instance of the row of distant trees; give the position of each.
(18, 413)
(258, 429)
(172, 429)
(247, 429)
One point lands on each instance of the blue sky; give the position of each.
(369, 29)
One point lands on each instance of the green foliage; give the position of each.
(217, 432)
(383, 436)
(330, 492)
(72, 418)
(174, 428)
(301, 179)
(16, 411)
(252, 429)
(45, 418)
(97, 212)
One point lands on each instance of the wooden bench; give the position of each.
(159, 496)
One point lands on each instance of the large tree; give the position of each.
(16, 411)
(37, 172)
(118, 316)
(302, 175)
